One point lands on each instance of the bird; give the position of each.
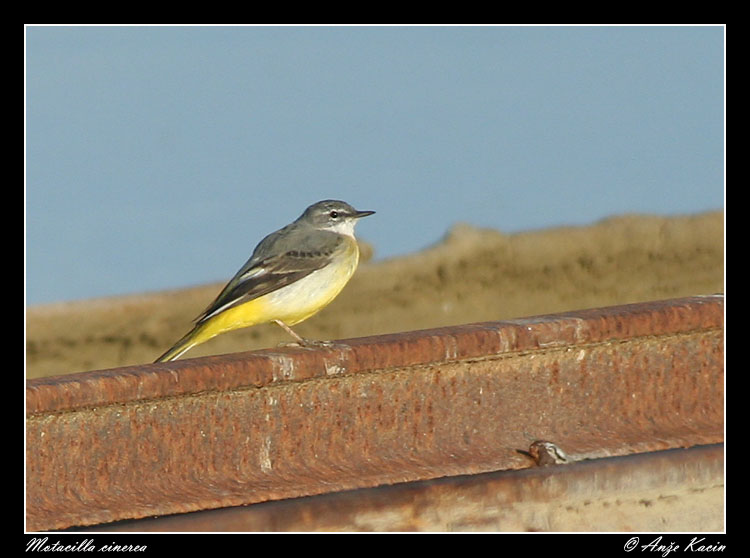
(292, 274)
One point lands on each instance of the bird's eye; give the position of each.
(334, 214)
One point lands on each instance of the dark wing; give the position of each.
(263, 274)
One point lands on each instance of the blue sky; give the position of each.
(157, 157)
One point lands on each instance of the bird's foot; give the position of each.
(307, 343)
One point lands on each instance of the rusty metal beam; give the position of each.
(676, 490)
(252, 427)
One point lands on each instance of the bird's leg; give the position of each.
(290, 331)
(301, 341)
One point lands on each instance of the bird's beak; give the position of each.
(360, 214)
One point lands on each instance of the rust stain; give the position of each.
(237, 429)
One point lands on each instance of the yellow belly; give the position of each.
(291, 304)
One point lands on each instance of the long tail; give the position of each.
(190, 340)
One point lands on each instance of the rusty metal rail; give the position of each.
(238, 429)
(676, 490)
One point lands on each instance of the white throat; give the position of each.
(345, 227)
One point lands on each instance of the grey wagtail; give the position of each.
(293, 273)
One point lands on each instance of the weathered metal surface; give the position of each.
(670, 490)
(237, 429)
